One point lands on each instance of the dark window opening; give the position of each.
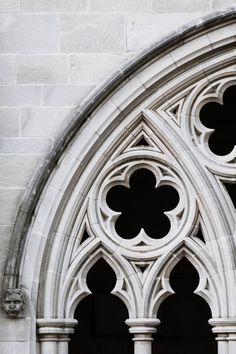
(142, 205)
(199, 235)
(231, 189)
(85, 236)
(221, 118)
(184, 316)
(142, 142)
(101, 317)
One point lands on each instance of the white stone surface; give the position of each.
(174, 6)
(20, 96)
(34, 121)
(16, 170)
(142, 30)
(7, 69)
(71, 95)
(14, 330)
(15, 347)
(9, 122)
(42, 69)
(53, 5)
(120, 6)
(219, 4)
(92, 33)
(28, 33)
(95, 34)
(9, 5)
(91, 69)
(5, 235)
(25, 146)
(10, 200)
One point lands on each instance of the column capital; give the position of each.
(56, 326)
(223, 325)
(142, 325)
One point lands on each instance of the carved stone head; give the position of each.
(13, 302)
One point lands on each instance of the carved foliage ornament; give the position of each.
(13, 302)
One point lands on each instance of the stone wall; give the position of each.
(52, 54)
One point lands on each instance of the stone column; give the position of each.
(54, 335)
(142, 329)
(225, 330)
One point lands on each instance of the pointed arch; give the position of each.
(209, 287)
(75, 286)
(156, 96)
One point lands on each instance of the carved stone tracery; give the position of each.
(152, 122)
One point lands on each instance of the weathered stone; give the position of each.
(15, 330)
(34, 121)
(15, 347)
(5, 236)
(181, 6)
(92, 33)
(65, 95)
(90, 69)
(20, 95)
(16, 170)
(42, 69)
(9, 5)
(53, 5)
(216, 4)
(25, 145)
(7, 69)
(9, 122)
(10, 199)
(27, 33)
(140, 28)
(13, 302)
(119, 6)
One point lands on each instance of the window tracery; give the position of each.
(152, 121)
(142, 205)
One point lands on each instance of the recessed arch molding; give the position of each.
(145, 117)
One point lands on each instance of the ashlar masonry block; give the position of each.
(20, 95)
(180, 6)
(37, 146)
(28, 33)
(7, 69)
(217, 4)
(92, 33)
(9, 5)
(9, 122)
(16, 170)
(10, 200)
(35, 119)
(119, 6)
(90, 69)
(42, 69)
(71, 95)
(143, 30)
(53, 5)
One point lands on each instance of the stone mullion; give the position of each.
(54, 335)
(225, 330)
(222, 343)
(142, 330)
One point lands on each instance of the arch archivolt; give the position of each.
(75, 287)
(160, 104)
(173, 158)
(209, 280)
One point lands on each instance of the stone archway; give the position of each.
(145, 117)
(184, 316)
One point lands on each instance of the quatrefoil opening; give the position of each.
(142, 205)
(221, 118)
